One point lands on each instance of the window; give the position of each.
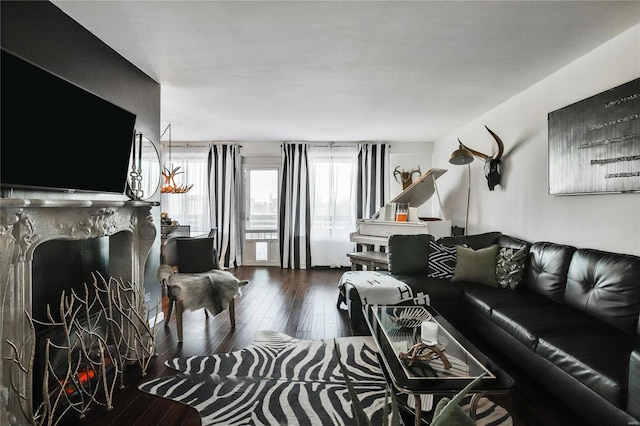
(191, 208)
(261, 178)
(263, 200)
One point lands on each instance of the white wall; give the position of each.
(522, 207)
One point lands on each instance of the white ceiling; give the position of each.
(344, 70)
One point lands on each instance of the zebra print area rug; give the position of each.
(282, 380)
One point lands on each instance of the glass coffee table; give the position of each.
(443, 368)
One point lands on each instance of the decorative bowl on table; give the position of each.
(411, 317)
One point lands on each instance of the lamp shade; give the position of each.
(461, 156)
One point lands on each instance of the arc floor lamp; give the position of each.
(460, 157)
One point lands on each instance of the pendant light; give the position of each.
(169, 173)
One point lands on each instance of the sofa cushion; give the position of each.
(438, 289)
(484, 299)
(598, 358)
(442, 260)
(408, 254)
(510, 267)
(475, 241)
(606, 286)
(528, 323)
(477, 266)
(514, 243)
(546, 270)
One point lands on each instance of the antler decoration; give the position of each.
(406, 178)
(170, 186)
(414, 354)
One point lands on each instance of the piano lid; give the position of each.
(421, 190)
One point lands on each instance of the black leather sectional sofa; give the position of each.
(572, 323)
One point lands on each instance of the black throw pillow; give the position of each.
(196, 254)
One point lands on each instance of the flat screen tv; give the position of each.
(58, 136)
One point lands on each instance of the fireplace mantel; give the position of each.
(27, 223)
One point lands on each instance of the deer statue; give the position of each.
(406, 178)
(492, 165)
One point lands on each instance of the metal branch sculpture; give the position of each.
(102, 332)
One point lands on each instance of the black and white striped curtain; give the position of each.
(294, 221)
(224, 190)
(373, 179)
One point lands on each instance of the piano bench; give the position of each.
(372, 260)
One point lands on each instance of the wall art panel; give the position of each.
(594, 144)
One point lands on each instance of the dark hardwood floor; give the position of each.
(301, 304)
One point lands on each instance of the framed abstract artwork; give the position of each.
(594, 144)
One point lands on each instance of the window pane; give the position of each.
(191, 208)
(262, 251)
(263, 196)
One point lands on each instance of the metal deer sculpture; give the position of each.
(492, 165)
(406, 178)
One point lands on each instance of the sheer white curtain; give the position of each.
(333, 177)
(191, 208)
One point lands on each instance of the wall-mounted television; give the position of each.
(58, 136)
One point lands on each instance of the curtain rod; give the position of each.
(199, 144)
(337, 144)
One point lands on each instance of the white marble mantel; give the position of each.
(27, 223)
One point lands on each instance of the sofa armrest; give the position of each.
(633, 398)
(408, 254)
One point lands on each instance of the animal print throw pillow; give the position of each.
(442, 260)
(510, 267)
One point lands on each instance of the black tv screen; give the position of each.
(58, 136)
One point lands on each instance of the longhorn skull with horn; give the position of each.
(492, 165)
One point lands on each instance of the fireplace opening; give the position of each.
(61, 265)
(73, 366)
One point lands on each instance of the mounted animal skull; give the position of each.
(492, 165)
(406, 178)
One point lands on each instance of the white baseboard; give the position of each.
(157, 319)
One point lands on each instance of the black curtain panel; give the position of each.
(373, 170)
(224, 181)
(294, 222)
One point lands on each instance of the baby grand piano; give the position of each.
(372, 233)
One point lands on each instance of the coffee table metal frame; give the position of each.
(430, 377)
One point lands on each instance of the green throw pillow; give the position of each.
(510, 267)
(477, 266)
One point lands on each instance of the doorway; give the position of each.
(261, 179)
